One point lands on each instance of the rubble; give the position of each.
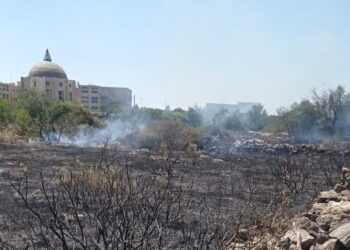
(217, 145)
(325, 227)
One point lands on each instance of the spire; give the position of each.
(47, 56)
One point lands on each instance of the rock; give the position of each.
(306, 239)
(217, 160)
(332, 244)
(327, 196)
(345, 194)
(322, 238)
(243, 235)
(324, 221)
(305, 223)
(311, 217)
(238, 246)
(339, 188)
(343, 234)
(332, 214)
(284, 244)
(346, 177)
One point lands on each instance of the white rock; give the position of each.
(342, 233)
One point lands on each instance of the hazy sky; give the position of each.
(184, 52)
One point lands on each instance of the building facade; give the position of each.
(47, 77)
(9, 91)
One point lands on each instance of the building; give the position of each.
(90, 97)
(115, 98)
(105, 99)
(9, 91)
(47, 77)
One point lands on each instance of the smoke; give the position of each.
(114, 132)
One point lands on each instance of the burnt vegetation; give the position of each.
(173, 182)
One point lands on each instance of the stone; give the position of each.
(332, 214)
(332, 244)
(345, 194)
(339, 188)
(342, 233)
(311, 217)
(284, 244)
(306, 239)
(322, 238)
(304, 223)
(238, 246)
(327, 196)
(243, 235)
(346, 176)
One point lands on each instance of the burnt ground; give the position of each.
(225, 183)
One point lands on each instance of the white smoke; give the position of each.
(114, 131)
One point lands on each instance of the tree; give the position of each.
(6, 113)
(288, 120)
(65, 116)
(308, 117)
(37, 106)
(329, 104)
(219, 118)
(257, 117)
(194, 117)
(233, 122)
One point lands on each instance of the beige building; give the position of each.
(9, 91)
(105, 99)
(90, 97)
(47, 77)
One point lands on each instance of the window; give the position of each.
(48, 92)
(34, 83)
(61, 95)
(47, 83)
(61, 84)
(94, 99)
(70, 96)
(70, 85)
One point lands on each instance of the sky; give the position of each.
(183, 53)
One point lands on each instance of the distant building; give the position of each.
(104, 99)
(119, 98)
(47, 77)
(9, 91)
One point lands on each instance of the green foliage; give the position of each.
(41, 115)
(234, 123)
(273, 124)
(169, 135)
(24, 123)
(257, 117)
(194, 117)
(37, 106)
(6, 114)
(327, 114)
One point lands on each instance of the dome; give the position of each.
(47, 68)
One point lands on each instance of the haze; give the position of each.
(184, 53)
